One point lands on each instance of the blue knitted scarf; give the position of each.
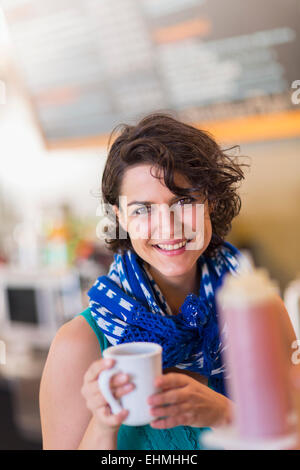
(128, 305)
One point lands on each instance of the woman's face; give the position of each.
(156, 218)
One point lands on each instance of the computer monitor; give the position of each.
(35, 304)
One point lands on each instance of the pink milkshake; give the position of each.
(255, 356)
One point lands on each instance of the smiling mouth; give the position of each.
(173, 247)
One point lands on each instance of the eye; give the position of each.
(144, 210)
(186, 200)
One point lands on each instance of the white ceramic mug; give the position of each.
(143, 362)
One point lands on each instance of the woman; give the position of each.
(167, 267)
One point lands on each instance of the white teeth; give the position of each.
(172, 247)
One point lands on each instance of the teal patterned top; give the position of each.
(145, 437)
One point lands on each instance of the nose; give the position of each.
(165, 225)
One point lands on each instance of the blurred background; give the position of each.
(70, 70)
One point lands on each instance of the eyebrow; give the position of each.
(145, 203)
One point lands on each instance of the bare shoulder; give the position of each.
(64, 415)
(75, 337)
(74, 347)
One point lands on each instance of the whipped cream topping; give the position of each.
(250, 286)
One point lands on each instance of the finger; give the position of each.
(116, 380)
(121, 391)
(96, 367)
(95, 401)
(91, 391)
(166, 398)
(106, 410)
(119, 379)
(171, 380)
(171, 410)
(103, 411)
(116, 419)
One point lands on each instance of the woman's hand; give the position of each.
(95, 401)
(184, 401)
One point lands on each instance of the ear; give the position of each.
(116, 210)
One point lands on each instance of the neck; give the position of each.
(176, 288)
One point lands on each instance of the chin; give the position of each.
(172, 266)
(173, 272)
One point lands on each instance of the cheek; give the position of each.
(139, 229)
(201, 231)
(208, 227)
(207, 231)
(194, 221)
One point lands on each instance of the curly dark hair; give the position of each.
(170, 145)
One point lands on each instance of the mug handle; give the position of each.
(104, 385)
